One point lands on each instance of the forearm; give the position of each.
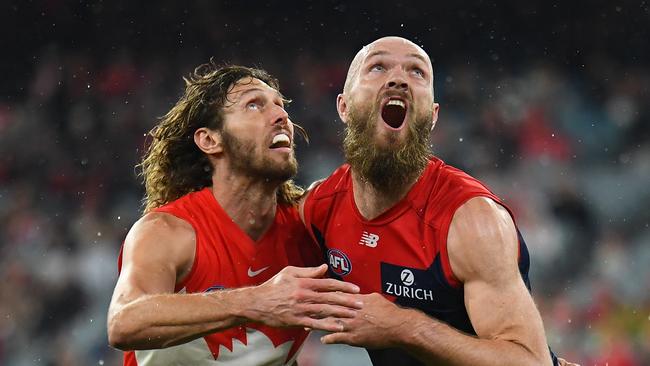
(163, 320)
(435, 343)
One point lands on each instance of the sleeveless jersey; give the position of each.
(401, 254)
(226, 257)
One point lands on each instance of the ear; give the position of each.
(342, 108)
(434, 115)
(208, 141)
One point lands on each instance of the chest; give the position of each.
(228, 259)
(398, 258)
(366, 254)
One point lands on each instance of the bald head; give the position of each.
(382, 45)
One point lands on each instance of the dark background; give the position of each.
(546, 102)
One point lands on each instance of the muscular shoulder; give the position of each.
(161, 237)
(336, 182)
(442, 189)
(159, 224)
(482, 241)
(324, 188)
(451, 180)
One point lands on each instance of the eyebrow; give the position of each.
(382, 53)
(248, 91)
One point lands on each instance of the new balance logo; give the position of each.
(369, 239)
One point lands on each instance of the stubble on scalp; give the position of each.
(353, 70)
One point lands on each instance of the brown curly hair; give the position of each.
(173, 165)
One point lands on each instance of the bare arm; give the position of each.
(158, 252)
(483, 252)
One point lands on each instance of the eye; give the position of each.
(377, 67)
(418, 72)
(253, 106)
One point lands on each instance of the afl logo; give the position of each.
(339, 262)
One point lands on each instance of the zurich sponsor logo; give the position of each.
(407, 282)
(407, 277)
(339, 262)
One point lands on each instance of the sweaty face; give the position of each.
(257, 133)
(390, 113)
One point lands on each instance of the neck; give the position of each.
(371, 202)
(250, 203)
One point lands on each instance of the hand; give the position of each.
(301, 297)
(374, 326)
(564, 362)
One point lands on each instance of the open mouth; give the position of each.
(394, 112)
(280, 140)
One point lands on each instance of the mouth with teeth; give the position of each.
(281, 140)
(394, 113)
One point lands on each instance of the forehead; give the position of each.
(397, 47)
(247, 84)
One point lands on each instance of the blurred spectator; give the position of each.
(557, 127)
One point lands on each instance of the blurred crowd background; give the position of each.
(545, 101)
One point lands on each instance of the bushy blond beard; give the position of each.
(391, 167)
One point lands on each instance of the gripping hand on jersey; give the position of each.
(372, 327)
(301, 297)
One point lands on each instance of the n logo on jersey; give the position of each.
(369, 239)
(339, 262)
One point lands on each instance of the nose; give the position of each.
(280, 115)
(397, 81)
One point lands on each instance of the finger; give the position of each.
(328, 284)
(333, 338)
(310, 272)
(319, 311)
(326, 324)
(336, 298)
(564, 362)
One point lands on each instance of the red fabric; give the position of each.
(413, 232)
(225, 253)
